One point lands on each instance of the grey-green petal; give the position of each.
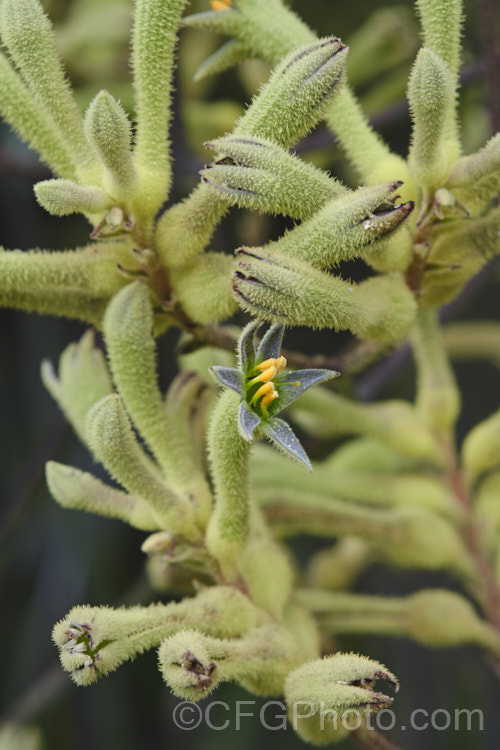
(248, 421)
(280, 433)
(229, 377)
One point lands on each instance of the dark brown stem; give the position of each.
(489, 596)
(352, 360)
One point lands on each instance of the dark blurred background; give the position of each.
(52, 559)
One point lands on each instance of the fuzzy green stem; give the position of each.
(438, 397)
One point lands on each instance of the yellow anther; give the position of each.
(280, 364)
(268, 374)
(268, 398)
(262, 391)
(264, 365)
(220, 4)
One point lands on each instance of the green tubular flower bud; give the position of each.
(94, 641)
(113, 442)
(228, 528)
(262, 554)
(406, 537)
(83, 381)
(337, 568)
(441, 618)
(457, 255)
(441, 24)
(28, 35)
(269, 30)
(346, 227)
(475, 179)
(181, 405)
(109, 132)
(17, 737)
(257, 174)
(302, 625)
(481, 447)
(193, 664)
(283, 289)
(64, 197)
(297, 93)
(203, 287)
(31, 122)
(472, 169)
(438, 396)
(395, 424)
(73, 283)
(431, 95)
(392, 253)
(351, 483)
(435, 618)
(427, 541)
(370, 489)
(153, 44)
(326, 696)
(369, 455)
(79, 490)
(128, 332)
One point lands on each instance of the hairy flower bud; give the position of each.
(64, 197)
(257, 174)
(109, 132)
(431, 94)
(328, 696)
(297, 93)
(280, 288)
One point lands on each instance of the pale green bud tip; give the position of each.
(108, 131)
(336, 688)
(64, 197)
(299, 89)
(187, 666)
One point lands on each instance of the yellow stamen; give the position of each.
(280, 364)
(271, 396)
(262, 391)
(264, 365)
(220, 4)
(264, 376)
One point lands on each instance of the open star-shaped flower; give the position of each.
(266, 389)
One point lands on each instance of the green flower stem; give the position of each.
(228, 528)
(438, 397)
(153, 43)
(395, 423)
(185, 230)
(473, 340)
